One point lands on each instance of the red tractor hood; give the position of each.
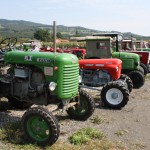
(112, 65)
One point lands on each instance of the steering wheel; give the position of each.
(8, 43)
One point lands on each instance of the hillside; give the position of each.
(26, 29)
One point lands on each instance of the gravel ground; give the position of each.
(130, 125)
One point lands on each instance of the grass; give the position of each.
(11, 132)
(97, 120)
(138, 146)
(12, 136)
(84, 135)
(121, 132)
(84, 139)
(96, 144)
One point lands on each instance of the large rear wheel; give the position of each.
(40, 126)
(126, 81)
(114, 95)
(84, 109)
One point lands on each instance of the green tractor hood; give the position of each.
(130, 60)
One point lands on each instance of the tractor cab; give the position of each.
(99, 47)
(138, 47)
(128, 45)
(142, 45)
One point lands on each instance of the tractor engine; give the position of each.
(95, 77)
(23, 83)
(28, 82)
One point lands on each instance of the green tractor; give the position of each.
(103, 46)
(48, 82)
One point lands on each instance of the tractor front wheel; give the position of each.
(114, 95)
(137, 79)
(84, 109)
(40, 126)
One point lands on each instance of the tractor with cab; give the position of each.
(103, 46)
(137, 47)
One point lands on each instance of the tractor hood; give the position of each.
(39, 58)
(113, 66)
(126, 55)
(130, 61)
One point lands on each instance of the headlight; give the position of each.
(80, 78)
(52, 86)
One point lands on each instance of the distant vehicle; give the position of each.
(142, 46)
(32, 45)
(138, 47)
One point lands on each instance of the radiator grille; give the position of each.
(70, 79)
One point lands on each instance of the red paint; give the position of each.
(112, 65)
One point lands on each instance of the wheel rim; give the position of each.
(81, 108)
(114, 96)
(38, 128)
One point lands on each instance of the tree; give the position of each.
(77, 33)
(43, 35)
(59, 35)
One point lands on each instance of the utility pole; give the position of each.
(54, 35)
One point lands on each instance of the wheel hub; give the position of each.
(37, 129)
(114, 95)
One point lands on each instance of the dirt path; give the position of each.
(130, 125)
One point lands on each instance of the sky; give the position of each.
(104, 15)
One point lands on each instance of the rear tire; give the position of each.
(114, 95)
(128, 83)
(144, 68)
(141, 70)
(137, 78)
(83, 110)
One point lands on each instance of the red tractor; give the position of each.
(107, 74)
(79, 52)
(131, 45)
